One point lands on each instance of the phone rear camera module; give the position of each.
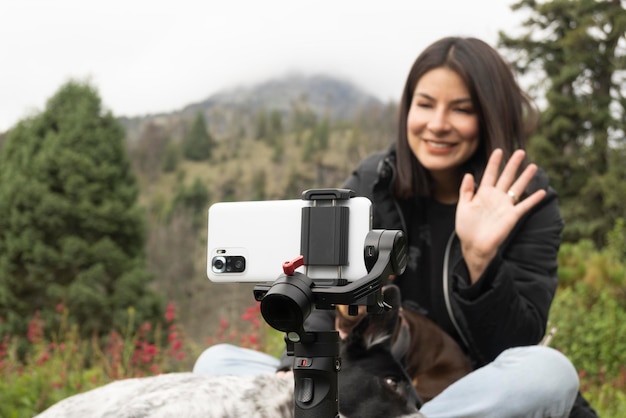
(228, 264)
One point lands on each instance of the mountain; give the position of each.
(229, 111)
(325, 95)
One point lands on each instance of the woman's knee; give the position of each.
(214, 358)
(227, 359)
(544, 371)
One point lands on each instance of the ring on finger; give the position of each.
(513, 196)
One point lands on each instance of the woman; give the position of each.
(483, 227)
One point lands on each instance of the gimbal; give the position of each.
(288, 301)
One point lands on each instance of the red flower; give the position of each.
(35, 329)
(145, 327)
(223, 324)
(170, 312)
(45, 356)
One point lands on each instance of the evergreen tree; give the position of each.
(198, 143)
(276, 123)
(277, 136)
(171, 158)
(149, 153)
(193, 200)
(577, 47)
(261, 129)
(318, 140)
(71, 232)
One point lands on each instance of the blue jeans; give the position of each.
(532, 381)
(223, 359)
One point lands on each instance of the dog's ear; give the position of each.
(402, 342)
(392, 296)
(376, 328)
(346, 322)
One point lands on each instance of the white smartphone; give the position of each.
(249, 241)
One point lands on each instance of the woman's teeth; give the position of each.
(439, 144)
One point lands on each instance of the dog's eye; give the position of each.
(391, 382)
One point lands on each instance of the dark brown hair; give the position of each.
(506, 115)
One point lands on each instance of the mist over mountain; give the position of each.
(325, 95)
(234, 109)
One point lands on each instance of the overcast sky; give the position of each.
(150, 56)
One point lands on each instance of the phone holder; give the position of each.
(288, 301)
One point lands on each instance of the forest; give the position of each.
(103, 218)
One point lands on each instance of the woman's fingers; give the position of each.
(508, 181)
(509, 174)
(527, 203)
(492, 170)
(516, 190)
(466, 191)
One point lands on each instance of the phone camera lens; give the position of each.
(219, 264)
(238, 264)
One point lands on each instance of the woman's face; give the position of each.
(442, 125)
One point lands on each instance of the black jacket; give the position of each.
(509, 304)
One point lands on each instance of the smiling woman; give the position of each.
(483, 227)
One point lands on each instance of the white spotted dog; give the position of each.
(371, 384)
(182, 395)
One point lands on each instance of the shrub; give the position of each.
(65, 363)
(589, 312)
(60, 362)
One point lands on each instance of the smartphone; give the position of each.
(249, 241)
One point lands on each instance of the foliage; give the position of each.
(150, 152)
(251, 332)
(198, 143)
(70, 228)
(65, 363)
(261, 125)
(589, 313)
(317, 140)
(193, 199)
(575, 49)
(171, 158)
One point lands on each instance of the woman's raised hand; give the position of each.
(485, 216)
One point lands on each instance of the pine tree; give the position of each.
(71, 232)
(576, 48)
(193, 200)
(261, 129)
(148, 156)
(198, 143)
